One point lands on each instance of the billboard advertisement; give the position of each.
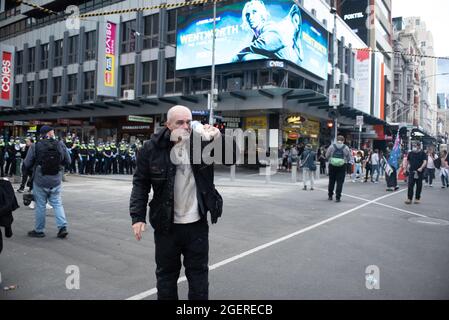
(253, 30)
(362, 79)
(7, 75)
(355, 14)
(108, 61)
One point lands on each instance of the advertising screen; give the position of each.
(253, 30)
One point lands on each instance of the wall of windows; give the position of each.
(149, 78)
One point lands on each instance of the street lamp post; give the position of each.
(211, 100)
(334, 63)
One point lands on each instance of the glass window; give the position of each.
(149, 78)
(89, 86)
(18, 94)
(172, 84)
(127, 78)
(31, 59)
(42, 92)
(90, 44)
(151, 39)
(71, 90)
(58, 53)
(19, 62)
(171, 31)
(56, 90)
(129, 36)
(44, 56)
(30, 93)
(73, 49)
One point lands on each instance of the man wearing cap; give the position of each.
(47, 158)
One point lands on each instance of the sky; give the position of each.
(435, 13)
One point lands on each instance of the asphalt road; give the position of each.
(274, 241)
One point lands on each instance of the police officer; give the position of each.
(99, 159)
(75, 156)
(91, 152)
(83, 158)
(107, 154)
(122, 154)
(68, 144)
(131, 160)
(26, 174)
(114, 152)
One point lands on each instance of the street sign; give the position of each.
(359, 120)
(334, 97)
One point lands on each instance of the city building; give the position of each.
(116, 75)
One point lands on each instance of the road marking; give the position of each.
(382, 204)
(269, 244)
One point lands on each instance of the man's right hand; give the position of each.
(138, 228)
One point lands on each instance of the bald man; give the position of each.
(183, 194)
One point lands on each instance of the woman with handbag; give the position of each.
(308, 165)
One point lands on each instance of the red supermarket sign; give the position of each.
(6, 75)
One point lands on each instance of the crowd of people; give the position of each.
(338, 161)
(86, 158)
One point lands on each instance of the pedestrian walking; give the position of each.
(375, 166)
(338, 155)
(308, 165)
(429, 172)
(444, 170)
(47, 158)
(416, 163)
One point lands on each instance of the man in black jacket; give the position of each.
(184, 192)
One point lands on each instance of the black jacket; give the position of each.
(155, 169)
(8, 203)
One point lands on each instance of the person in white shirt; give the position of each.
(430, 169)
(375, 162)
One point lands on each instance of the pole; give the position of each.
(360, 135)
(212, 86)
(334, 63)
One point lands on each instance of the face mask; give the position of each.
(339, 143)
(415, 149)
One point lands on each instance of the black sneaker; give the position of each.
(337, 200)
(396, 188)
(62, 233)
(21, 190)
(305, 188)
(35, 234)
(330, 199)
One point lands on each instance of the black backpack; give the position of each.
(48, 157)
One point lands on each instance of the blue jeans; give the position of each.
(53, 196)
(375, 168)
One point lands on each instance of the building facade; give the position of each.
(59, 73)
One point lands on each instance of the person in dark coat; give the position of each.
(8, 204)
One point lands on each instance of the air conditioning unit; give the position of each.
(128, 95)
(234, 84)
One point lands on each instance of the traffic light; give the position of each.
(330, 124)
(333, 113)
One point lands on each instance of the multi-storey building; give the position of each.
(70, 76)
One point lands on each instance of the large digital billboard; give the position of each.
(253, 30)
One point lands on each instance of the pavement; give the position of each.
(274, 241)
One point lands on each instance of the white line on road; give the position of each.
(381, 204)
(269, 244)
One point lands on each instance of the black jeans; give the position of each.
(430, 175)
(26, 177)
(392, 180)
(336, 175)
(191, 241)
(411, 185)
(368, 170)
